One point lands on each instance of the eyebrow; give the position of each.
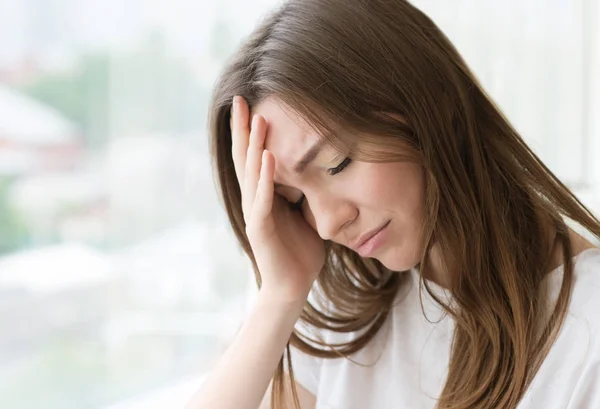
(308, 157)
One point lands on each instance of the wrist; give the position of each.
(279, 299)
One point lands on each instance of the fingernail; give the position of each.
(233, 103)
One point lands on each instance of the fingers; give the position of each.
(247, 149)
(264, 195)
(254, 160)
(239, 136)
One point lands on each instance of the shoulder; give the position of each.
(586, 283)
(584, 306)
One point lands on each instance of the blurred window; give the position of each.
(120, 279)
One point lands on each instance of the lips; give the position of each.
(360, 240)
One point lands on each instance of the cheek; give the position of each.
(397, 188)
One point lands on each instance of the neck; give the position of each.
(437, 272)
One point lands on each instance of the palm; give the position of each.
(295, 247)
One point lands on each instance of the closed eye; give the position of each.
(297, 206)
(340, 167)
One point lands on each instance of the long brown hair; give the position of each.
(382, 68)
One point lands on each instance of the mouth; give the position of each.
(366, 244)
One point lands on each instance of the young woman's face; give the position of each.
(344, 199)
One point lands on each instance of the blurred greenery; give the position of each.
(144, 89)
(13, 229)
(80, 95)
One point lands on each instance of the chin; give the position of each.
(400, 264)
(400, 261)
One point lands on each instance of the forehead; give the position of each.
(288, 135)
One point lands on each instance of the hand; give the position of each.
(288, 251)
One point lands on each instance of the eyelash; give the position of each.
(333, 171)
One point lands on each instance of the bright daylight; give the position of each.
(122, 283)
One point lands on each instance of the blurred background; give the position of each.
(120, 281)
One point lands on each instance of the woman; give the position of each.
(361, 163)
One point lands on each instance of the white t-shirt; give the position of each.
(407, 361)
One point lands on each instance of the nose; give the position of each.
(329, 214)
